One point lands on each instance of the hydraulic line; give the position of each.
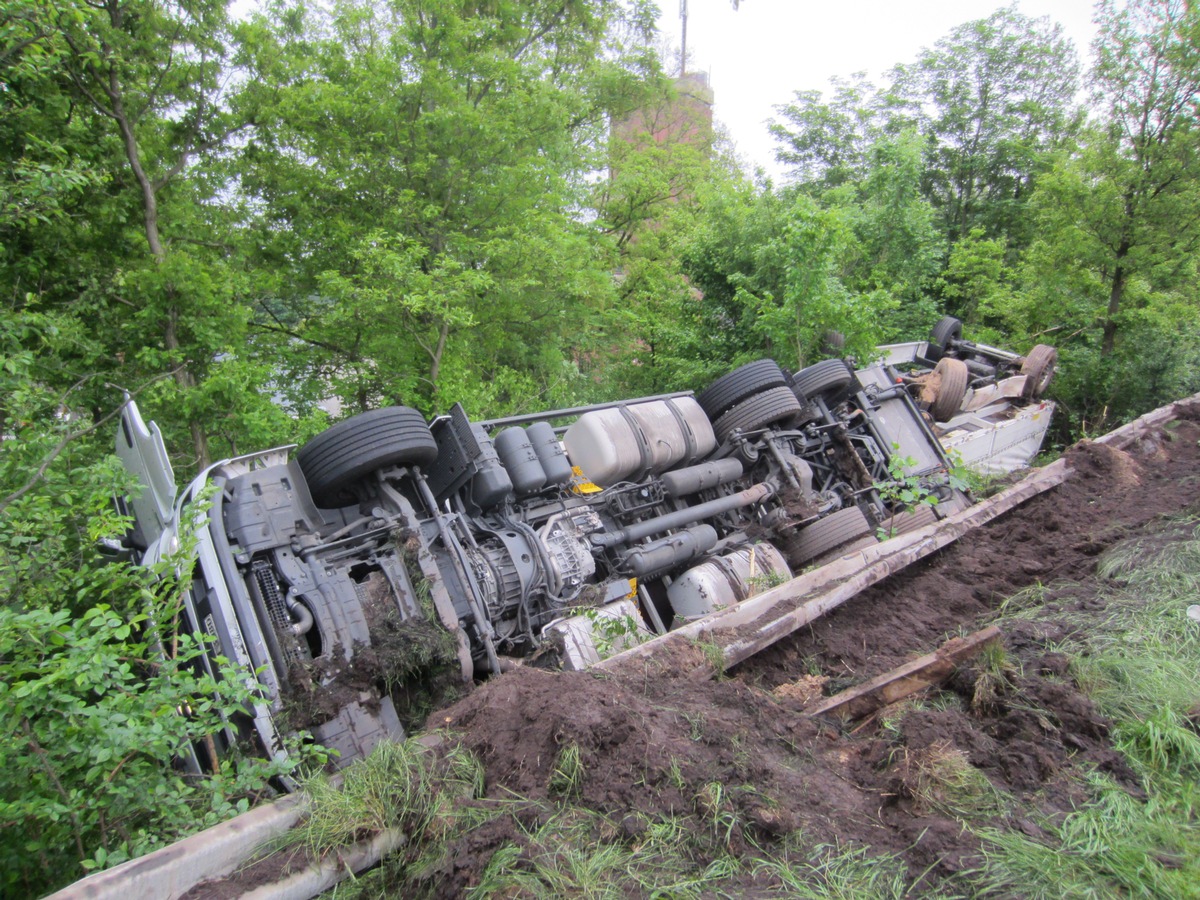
(640, 530)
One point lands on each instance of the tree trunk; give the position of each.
(1115, 296)
(186, 380)
(149, 192)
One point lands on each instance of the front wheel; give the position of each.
(337, 458)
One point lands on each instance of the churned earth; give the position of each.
(652, 744)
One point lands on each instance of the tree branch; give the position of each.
(280, 328)
(70, 436)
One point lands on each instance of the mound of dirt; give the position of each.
(1055, 537)
(641, 747)
(650, 745)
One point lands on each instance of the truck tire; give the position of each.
(340, 456)
(947, 330)
(953, 388)
(759, 411)
(826, 534)
(910, 520)
(832, 343)
(1038, 369)
(744, 381)
(828, 379)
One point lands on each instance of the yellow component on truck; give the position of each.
(581, 485)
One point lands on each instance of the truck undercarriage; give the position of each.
(388, 554)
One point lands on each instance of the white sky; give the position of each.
(760, 54)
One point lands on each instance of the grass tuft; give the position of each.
(566, 778)
(994, 675)
(940, 778)
(401, 785)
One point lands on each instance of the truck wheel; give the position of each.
(947, 330)
(832, 343)
(829, 533)
(827, 379)
(338, 457)
(910, 520)
(1038, 369)
(759, 411)
(744, 381)
(953, 388)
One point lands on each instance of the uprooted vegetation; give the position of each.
(1061, 763)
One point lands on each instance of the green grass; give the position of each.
(563, 850)
(567, 776)
(1140, 663)
(839, 872)
(401, 785)
(576, 854)
(1117, 846)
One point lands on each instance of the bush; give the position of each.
(94, 702)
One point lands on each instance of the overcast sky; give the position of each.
(759, 54)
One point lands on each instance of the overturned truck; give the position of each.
(389, 552)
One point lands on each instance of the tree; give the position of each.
(1144, 215)
(1113, 273)
(826, 142)
(421, 172)
(156, 75)
(769, 266)
(660, 158)
(897, 249)
(116, 114)
(993, 97)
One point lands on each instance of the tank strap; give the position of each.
(689, 436)
(643, 442)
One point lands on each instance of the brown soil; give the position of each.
(650, 744)
(653, 743)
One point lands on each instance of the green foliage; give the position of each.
(978, 286)
(995, 96)
(614, 633)
(419, 170)
(713, 653)
(1114, 269)
(897, 248)
(1140, 665)
(400, 785)
(903, 492)
(825, 142)
(768, 266)
(97, 695)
